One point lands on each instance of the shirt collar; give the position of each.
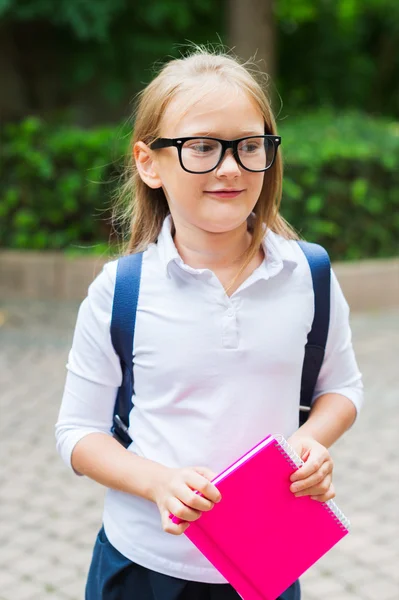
(166, 247)
(279, 253)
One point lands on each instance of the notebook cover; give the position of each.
(260, 537)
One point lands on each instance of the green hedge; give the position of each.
(56, 185)
(341, 184)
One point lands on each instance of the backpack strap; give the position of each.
(320, 268)
(124, 308)
(127, 287)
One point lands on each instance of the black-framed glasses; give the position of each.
(199, 155)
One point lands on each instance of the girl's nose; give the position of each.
(229, 166)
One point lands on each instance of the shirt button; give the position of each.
(230, 312)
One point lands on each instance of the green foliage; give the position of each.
(341, 53)
(89, 19)
(108, 44)
(56, 184)
(341, 183)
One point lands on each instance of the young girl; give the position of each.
(226, 303)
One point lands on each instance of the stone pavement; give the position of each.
(49, 517)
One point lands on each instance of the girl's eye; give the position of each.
(201, 146)
(250, 147)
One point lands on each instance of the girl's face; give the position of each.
(197, 200)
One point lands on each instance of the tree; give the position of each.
(85, 59)
(251, 31)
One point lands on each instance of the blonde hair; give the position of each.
(145, 208)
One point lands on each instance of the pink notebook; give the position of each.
(260, 537)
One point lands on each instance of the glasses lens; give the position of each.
(200, 155)
(256, 153)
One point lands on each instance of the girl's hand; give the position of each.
(174, 493)
(314, 478)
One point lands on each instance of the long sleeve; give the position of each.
(94, 372)
(339, 372)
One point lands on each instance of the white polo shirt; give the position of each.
(213, 376)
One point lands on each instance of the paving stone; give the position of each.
(378, 587)
(341, 596)
(56, 576)
(9, 553)
(50, 517)
(375, 554)
(323, 587)
(24, 590)
(30, 564)
(74, 590)
(390, 569)
(7, 579)
(353, 573)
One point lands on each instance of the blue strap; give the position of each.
(126, 295)
(123, 322)
(320, 268)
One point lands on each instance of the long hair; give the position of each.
(144, 208)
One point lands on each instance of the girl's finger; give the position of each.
(314, 480)
(318, 489)
(193, 500)
(312, 465)
(325, 497)
(174, 528)
(181, 511)
(201, 484)
(207, 473)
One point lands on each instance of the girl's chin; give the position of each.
(224, 221)
(222, 226)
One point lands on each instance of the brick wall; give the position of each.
(367, 285)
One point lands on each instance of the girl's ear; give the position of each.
(146, 165)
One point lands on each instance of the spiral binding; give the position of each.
(339, 516)
(287, 450)
(295, 461)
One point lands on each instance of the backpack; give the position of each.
(127, 287)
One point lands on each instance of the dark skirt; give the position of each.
(114, 577)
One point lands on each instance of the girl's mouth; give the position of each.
(224, 193)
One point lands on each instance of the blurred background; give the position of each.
(69, 70)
